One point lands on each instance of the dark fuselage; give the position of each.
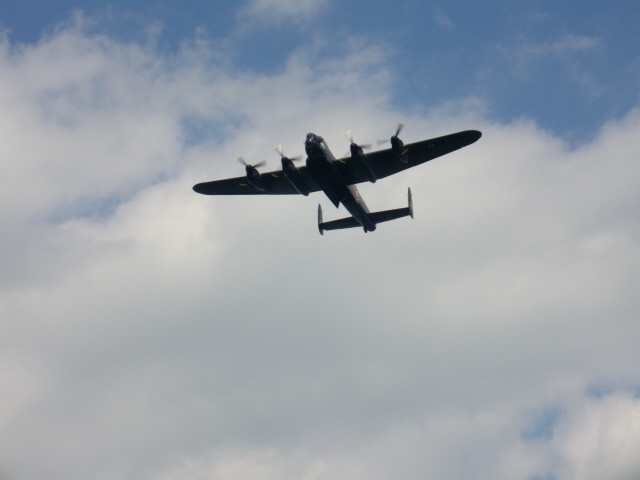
(321, 163)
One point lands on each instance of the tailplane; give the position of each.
(376, 217)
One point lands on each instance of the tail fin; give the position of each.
(320, 222)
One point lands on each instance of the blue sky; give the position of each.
(148, 332)
(570, 67)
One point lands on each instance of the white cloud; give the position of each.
(155, 333)
(565, 45)
(570, 43)
(444, 21)
(275, 11)
(601, 439)
(566, 52)
(598, 439)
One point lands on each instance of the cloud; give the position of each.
(275, 11)
(566, 45)
(528, 60)
(601, 439)
(149, 332)
(444, 21)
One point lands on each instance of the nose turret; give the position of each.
(311, 140)
(313, 144)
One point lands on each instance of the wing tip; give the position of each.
(474, 136)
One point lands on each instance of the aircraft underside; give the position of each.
(322, 165)
(337, 178)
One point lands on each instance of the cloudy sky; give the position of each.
(147, 332)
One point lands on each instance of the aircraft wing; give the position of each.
(384, 162)
(275, 183)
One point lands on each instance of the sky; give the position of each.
(148, 332)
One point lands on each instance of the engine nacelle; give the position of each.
(292, 174)
(254, 178)
(399, 150)
(363, 162)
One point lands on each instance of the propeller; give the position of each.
(398, 130)
(349, 134)
(257, 165)
(291, 172)
(253, 176)
(279, 150)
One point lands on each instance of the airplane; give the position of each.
(337, 178)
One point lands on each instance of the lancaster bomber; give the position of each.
(337, 177)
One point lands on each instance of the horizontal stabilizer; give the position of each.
(376, 217)
(348, 222)
(386, 215)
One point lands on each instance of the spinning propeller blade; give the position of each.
(398, 130)
(279, 150)
(365, 146)
(257, 165)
